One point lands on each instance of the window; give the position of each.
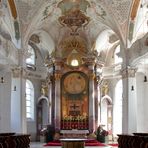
(30, 61)
(29, 100)
(117, 58)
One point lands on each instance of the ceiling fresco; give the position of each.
(62, 19)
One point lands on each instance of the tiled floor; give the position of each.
(40, 145)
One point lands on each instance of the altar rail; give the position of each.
(133, 141)
(12, 140)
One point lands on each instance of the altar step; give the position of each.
(40, 145)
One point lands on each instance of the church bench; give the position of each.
(14, 140)
(132, 141)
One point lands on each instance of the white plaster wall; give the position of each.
(5, 105)
(142, 104)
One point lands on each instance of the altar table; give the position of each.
(73, 142)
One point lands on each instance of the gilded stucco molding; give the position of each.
(92, 76)
(57, 76)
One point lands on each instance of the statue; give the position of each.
(44, 90)
(105, 89)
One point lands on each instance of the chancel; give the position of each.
(73, 70)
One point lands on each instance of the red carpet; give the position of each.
(87, 143)
(114, 144)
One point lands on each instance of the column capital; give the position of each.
(91, 76)
(57, 76)
(49, 79)
(128, 72)
(19, 71)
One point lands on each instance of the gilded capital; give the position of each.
(57, 76)
(91, 76)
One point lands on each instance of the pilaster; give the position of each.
(18, 112)
(91, 97)
(57, 76)
(129, 105)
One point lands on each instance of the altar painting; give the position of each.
(74, 101)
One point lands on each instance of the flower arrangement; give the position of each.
(104, 133)
(101, 133)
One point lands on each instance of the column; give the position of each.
(18, 101)
(97, 101)
(91, 98)
(50, 98)
(129, 103)
(57, 96)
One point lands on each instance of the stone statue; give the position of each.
(105, 89)
(44, 90)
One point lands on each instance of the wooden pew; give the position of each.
(14, 140)
(133, 141)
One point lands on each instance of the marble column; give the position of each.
(129, 103)
(57, 96)
(50, 100)
(91, 98)
(97, 102)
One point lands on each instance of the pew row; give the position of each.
(12, 140)
(133, 141)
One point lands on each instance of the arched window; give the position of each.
(117, 58)
(31, 56)
(29, 100)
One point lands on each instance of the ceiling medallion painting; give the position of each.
(73, 14)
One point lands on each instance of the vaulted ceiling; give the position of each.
(49, 23)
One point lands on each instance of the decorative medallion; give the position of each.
(68, 5)
(74, 83)
(73, 14)
(74, 20)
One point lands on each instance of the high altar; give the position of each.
(73, 93)
(73, 80)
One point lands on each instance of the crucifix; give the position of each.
(74, 106)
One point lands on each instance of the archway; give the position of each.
(42, 113)
(106, 113)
